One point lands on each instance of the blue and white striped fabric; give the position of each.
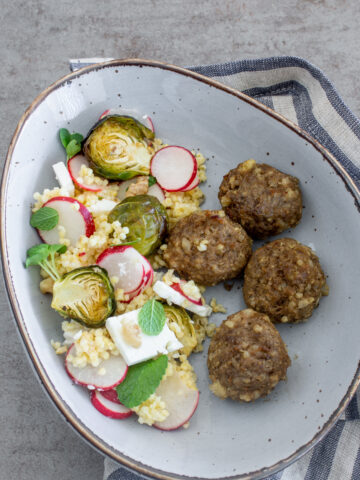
(300, 92)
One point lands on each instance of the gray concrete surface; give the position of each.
(37, 37)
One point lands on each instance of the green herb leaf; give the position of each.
(152, 317)
(141, 381)
(45, 218)
(151, 180)
(77, 136)
(65, 136)
(44, 256)
(72, 148)
(57, 248)
(37, 254)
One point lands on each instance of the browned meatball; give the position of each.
(264, 200)
(207, 247)
(247, 357)
(284, 279)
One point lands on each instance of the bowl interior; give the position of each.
(224, 438)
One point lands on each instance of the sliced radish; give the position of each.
(108, 407)
(115, 372)
(129, 266)
(73, 216)
(192, 185)
(174, 296)
(74, 166)
(145, 119)
(123, 188)
(111, 395)
(180, 400)
(156, 191)
(174, 168)
(177, 287)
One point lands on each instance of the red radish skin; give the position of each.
(109, 408)
(193, 185)
(115, 367)
(74, 166)
(180, 400)
(177, 287)
(174, 168)
(133, 269)
(111, 395)
(121, 111)
(104, 114)
(76, 222)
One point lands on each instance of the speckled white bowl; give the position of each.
(225, 439)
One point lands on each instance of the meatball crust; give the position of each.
(284, 279)
(207, 247)
(247, 357)
(264, 200)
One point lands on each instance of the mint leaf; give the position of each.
(152, 317)
(141, 381)
(72, 148)
(151, 180)
(65, 136)
(45, 218)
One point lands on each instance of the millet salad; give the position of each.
(129, 324)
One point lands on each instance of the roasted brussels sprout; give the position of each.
(86, 295)
(186, 334)
(146, 220)
(117, 147)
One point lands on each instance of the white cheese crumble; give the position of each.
(150, 346)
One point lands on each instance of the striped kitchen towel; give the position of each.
(302, 93)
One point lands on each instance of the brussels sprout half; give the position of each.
(86, 295)
(181, 317)
(117, 147)
(146, 220)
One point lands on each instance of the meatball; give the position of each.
(207, 247)
(264, 200)
(284, 279)
(247, 357)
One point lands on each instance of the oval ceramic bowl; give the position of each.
(225, 439)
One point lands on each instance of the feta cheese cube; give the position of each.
(150, 345)
(103, 206)
(63, 177)
(172, 296)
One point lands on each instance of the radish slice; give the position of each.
(123, 188)
(74, 166)
(180, 400)
(170, 294)
(115, 372)
(73, 216)
(111, 395)
(129, 266)
(144, 119)
(192, 185)
(108, 407)
(174, 168)
(177, 287)
(156, 191)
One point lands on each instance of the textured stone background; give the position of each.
(37, 37)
